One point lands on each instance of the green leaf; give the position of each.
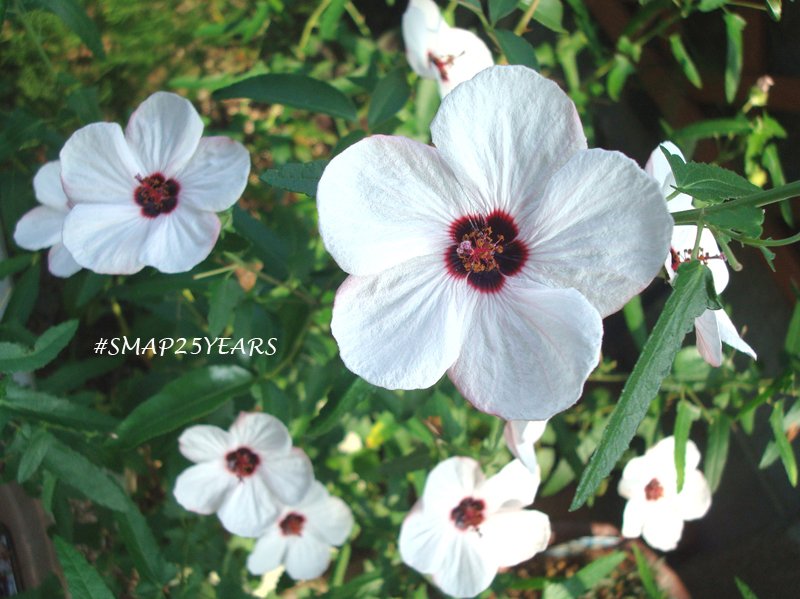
(13, 265)
(711, 128)
(634, 319)
(16, 358)
(549, 13)
(744, 590)
(83, 581)
(646, 574)
(297, 177)
(501, 8)
(792, 342)
(717, 450)
(390, 95)
(734, 24)
(585, 579)
(518, 50)
(782, 442)
(266, 243)
(708, 182)
(618, 75)
(709, 5)
(139, 539)
(331, 18)
(746, 220)
(687, 302)
(74, 17)
(48, 408)
(33, 455)
(184, 400)
(682, 56)
(298, 91)
(225, 295)
(687, 413)
(23, 297)
(775, 9)
(340, 401)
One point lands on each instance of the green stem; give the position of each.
(758, 200)
(526, 18)
(313, 19)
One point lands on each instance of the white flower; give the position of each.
(437, 51)
(41, 227)
(242, 474)
(302, 536)
(713, 327)
(464, 528)
(520, 436)
(655, 510)
(493, 256)
(149, 197)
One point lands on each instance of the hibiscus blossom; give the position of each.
(243, 474)
(302, 536)
(41, 227)
(148, 197)
(464, 528)
(712, 327)
(493, 256)
(655, 510)
(520, 436)
(437, 51)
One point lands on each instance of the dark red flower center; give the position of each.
(679, 258)
(242, 462)
(292, 524)
(442, 64)
(156, 195)
(485, 250)
(653, 490)
(468, 513)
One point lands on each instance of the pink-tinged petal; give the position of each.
(695, 498)
(60, 262)
(180, 240)
(633, 518)
(513, 487)
(602, 228)
(288, 476)
(306, 557)
(268, 552)
(528, 352)
(520, 436)
(385, 201)
(261, 432)
(39, 228)
(107, 238)
(708, 340)
(511, 537)
(501, 154)
(98, 167)
(216, 175)
(448, 483)
(730, 336)
(327, 517)
(249, 509)
(204, 443)
(425, 540)
(203, 488)
(466, 570)
(47, 186)
(403, 328)
(422, 23)
(662, 529)
(469, 55)
(164, 132)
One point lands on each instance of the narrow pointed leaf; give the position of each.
(687, 413)
(390, 95)
(782, 442)
(74, 16)
(16, 358)
(734, 24)
(687, 64)
(48, 408)
(83, 581)
(717, 450)
(297, 177)
(33, 455)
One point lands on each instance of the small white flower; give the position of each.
(655, 510)
(437, 51)
(464, 527)
(149, 197)
(492, 257)
(302, 536)
(243, 474)
(713, 327)
(520, 436)
(41, 227)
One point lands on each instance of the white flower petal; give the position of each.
(503, 151)
(658, 167)
(663, 529)
(288, 476)
(465, 571)
(708, 340)
(306, 557)
(60, 262)
(202, 488)
(602, 227)
(424, 540)
(636, 474)
(98, 167)
(511, 537)
(164, 132)
(448, 483)
(39, 228)
(528, 352)
(520, 436)
(403, 328)
(327, 517)
(216, 175)
(730, 336)
(695, 497)
(249, 509)
(204, 443)
(513, 487)
(422, 23)
(261, 432)
(180, 240)
(268, 552)
(384, 201)
(107, 238)
(682, 242)
(469, 56)
(47, 186)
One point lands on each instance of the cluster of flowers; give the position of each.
(260, 486)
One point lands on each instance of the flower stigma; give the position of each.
(679, 258)
(156, 194)
(477, 250)
(468, 514)
(653, 490)
(292, 524)
(242, 462)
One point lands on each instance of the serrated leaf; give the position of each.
(184, 400)
(298, 91)
(687, 302)
(16, 358)
(297, 177)
(734, 24)
(141, 544)
(747, 220)
(33, 455)
(225, 295)
(390, 95)
(517, 50)
(501, 8)
(83, 581)
(782, 442)
(55, 410)
(687, 64)
(687, 413)
(708, 182)
(717, 450)
(74, 16)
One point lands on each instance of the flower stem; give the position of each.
(758, 200)
(526, 18)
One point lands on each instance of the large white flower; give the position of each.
(465, 527)
(41, 227)
(435, 50)
(243, 474)
(520, 436)
(655, 510)
(302, 536)
(712, 327)
(149, 197)
(493, 256)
